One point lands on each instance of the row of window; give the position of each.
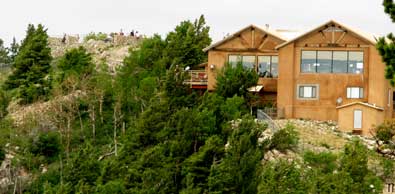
(311, 91)
(332, 62)
(267, 65)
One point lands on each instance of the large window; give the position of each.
(309, 60)
(324, 61)
(307, 91)
(355, 62)
(340, 61)
(248, 62)
(354, 92)
(268, 66)
(233, 60)
(332, 62)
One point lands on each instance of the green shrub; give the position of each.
(323, 161)
(94, 36)
(284, 139)
(2, 154)
(47, 145)
(386, 130)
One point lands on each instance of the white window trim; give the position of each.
(307, 85)
(349, 94)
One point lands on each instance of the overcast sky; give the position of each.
(161, 16)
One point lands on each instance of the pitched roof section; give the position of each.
(361, 103)
(234, 35)
(365, 36)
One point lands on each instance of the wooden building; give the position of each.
(254, 47)
(332, 72)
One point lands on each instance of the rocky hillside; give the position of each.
(111, 51)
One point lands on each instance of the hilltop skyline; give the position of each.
(224, 16)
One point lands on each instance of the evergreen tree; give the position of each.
(31, 66)
(386, 46)
(13, 51)
(186, 43)
(4, 58)
(235, 81)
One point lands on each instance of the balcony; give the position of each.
(197, 79)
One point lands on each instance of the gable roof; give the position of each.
(365, 36)
(361, 103)
(269, 32)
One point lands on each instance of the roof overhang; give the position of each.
(361, 103)
(234, 35)
(256, 88)
(366, 37)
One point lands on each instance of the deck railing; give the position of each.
(197, 77)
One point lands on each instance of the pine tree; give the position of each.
(31, 66)
(4, 59)
(185, 45)
(13, 50)
(386, 46)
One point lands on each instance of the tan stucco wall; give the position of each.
(370, 118)
(331, 85)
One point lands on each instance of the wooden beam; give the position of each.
(263, 43)
(341, 37)
(323, 36)
(243, 41)
(261, 40)
(244, 50)
(253, 37)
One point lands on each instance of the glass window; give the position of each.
(324, 61)
(354, 92)
(308, 63)
(274, 67)
(339, 61)
(234, 59)
(264, 66)
(355, 62)
(307, 91)
(248, 62)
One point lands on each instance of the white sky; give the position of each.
(161, 16)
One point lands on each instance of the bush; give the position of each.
(47, 145)
(284, 139)
(2, 154)
(386, 130)
(94, 36)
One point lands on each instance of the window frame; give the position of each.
(360, 96)
(270, 65)
(317, 91)
(332, 51)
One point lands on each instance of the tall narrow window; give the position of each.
(264, 66)
(324, 61)
(339, 61)
(233, 60)
(274, 66)
(248, 62)
(355, 62)
(308, 63)
(354, 92)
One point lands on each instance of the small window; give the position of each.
(308, 91)
(355, 62)
(248, 62)
(339, 62)
(233, 60)
(354, 92)
(324, 61)
(309, 61)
